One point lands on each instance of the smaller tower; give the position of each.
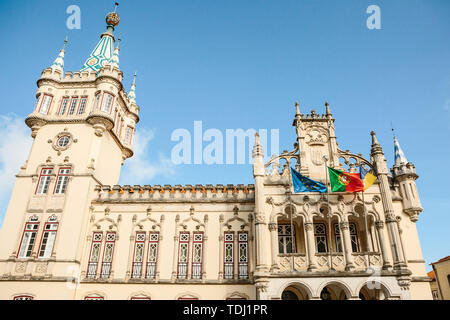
(405, 175)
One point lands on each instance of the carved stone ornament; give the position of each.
(62, 141)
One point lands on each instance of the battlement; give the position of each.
(169, 193)
(404, 169)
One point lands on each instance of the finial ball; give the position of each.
(112, 19)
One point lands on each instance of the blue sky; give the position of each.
(242, 64)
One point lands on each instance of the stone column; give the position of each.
(260, 219)
(175, 250)
(310, 246)
(386, 197)
(274, 242)
(347, 245)
(383, 248)
(399, 260)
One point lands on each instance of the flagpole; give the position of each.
(329, 215)
(367, 231)
(290, 213)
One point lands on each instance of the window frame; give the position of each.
(242, 275)
(106, 242)
(49, 104)
(55, 231)
(32, 230)
(285, 236)
(41, 175)
(324, 235)
(112, 102)
(129, 138)
(65, 175)
(147, 264)
(225, 263)
(133, 261)
(64, 98)
(27, 297)
(90, 254)
(77, 102)
(194, 243)
(85, 98)
(180, 243)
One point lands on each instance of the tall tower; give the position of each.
(405, 175)
(83, 124)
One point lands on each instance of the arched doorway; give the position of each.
(373, 291)
(334, 291)
(294, 292)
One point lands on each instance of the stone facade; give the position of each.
(71, 232)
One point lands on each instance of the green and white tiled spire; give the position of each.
(115, 58)
(132, 92)
(103, 52)
(58, 64)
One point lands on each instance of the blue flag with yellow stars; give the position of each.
(304, 184)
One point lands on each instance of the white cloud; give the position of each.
(139, 169)
(15, 145)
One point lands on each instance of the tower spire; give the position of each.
(115, 58)
(132, 92)
(398, 152)
(103, 51)
(58, 64)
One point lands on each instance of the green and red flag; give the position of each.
(344, 181)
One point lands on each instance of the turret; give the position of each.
(405, 175)
(316, 138)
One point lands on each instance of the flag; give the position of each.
(304, 184)
(344, 181)
(367, 178)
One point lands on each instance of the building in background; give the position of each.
(71, 232)
(440, 275)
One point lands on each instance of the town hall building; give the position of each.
(71, 232)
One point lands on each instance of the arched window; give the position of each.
(23, 297)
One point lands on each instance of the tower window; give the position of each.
(63, 141)
(82, 105)
(97, 101)
(45, 105)
(64, 104)
(48, 239)
(107, 102)
(28, 239)
(73, 105)
(62, 180)
(128, 135)
(44, 181)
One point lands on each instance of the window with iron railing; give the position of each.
(228, 255)
(183, 255)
